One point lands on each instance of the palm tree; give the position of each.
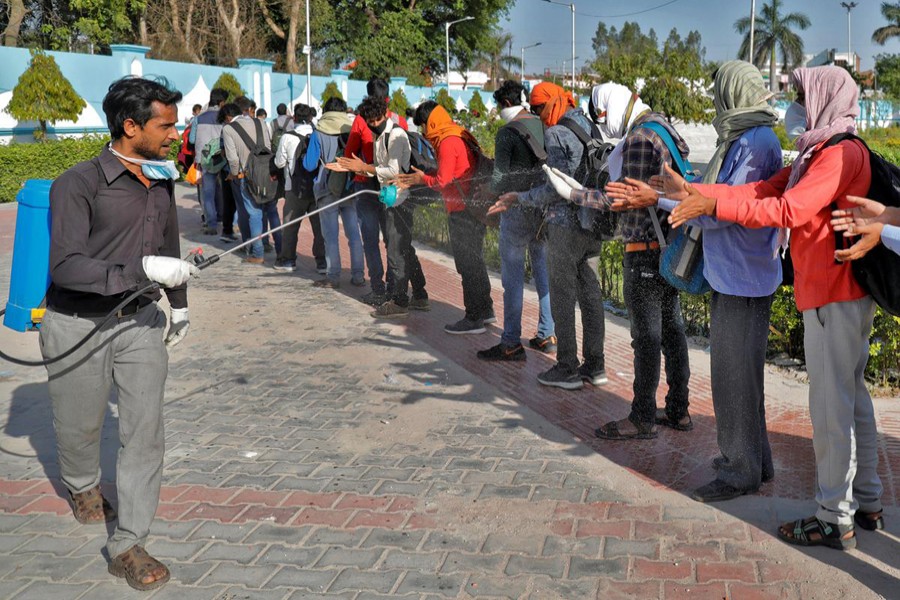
(891, 12)
(500, 60)
(774, 31)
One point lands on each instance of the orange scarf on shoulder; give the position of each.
(440, 126)
(555, 100)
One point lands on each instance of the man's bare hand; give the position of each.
(408, 180)
(692, 206)
(503, 203)
(670, 184)
(630, 194)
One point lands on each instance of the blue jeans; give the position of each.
(209, 188)
(518, 231)
(372, 222)
(331, 233)
(250, 220)
(272, 221)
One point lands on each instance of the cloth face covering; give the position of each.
(555, 100)
(152, 169)
(795, 121)
(378, 129)
(611, 102)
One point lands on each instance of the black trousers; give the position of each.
(295, 207)
(229, 207)
(656, 324)
(573, 279)
(403, 264)
(467, 242)
(739, 331)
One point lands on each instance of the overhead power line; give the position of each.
(631, 14)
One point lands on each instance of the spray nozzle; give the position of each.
(388, 195)
(195, 256)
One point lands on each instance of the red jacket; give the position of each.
(456, 162)
(361, 139)
(832, 175)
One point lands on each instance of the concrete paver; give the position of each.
(315, 453)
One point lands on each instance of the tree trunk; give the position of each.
(773, 86)
(181, 27)
(293, 27)
(234, 27)
(17, 12)
(142, 28)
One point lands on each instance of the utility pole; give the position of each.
(572, 7)
(849, 6)
(447, 40)
(307, 50)
(752, 30)
(524, 48)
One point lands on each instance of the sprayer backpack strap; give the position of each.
(480, 197)
(536, 147)
(257, 171)
(593, 173)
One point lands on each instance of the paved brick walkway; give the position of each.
(315, 453)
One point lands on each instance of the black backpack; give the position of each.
(277, 132)
(593, 173)
(257, 172)
(301, 179)
(878, 272)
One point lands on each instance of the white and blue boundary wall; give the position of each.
(91, 76)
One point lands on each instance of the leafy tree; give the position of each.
(774, 32)
(44, 95)
(476, 105)
(331, 91)
(229, 83)
(396, 47)
(672, 96)
(399, 102)
(500, 61)
(887, 66)
(444, 98)
(891, 12)
(625, 56)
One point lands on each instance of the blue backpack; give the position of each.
(681, 263)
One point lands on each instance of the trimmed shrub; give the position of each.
(331, 91)
(230, 84)
(399, 102)
(44, 95)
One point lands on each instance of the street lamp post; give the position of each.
(572, 7)
(524, 48)
(849, 6)
(752, 29)
(307, 50)
(447, 40)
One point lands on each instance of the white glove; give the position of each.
(178, 326)
(562, 183)
(167, 271)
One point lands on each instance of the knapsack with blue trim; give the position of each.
(681, 262)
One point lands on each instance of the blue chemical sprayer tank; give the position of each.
(30, 276)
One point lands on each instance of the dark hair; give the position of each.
(510, 91)
(253, 105)
(133, 98)
(334, 105)
(423, 111)
(281, 109)
(303, 113)
(197, 107)
(243, 103)
(217, 96)
(410, 112)
(229, 110)
(372, 107)
(261, 113)
(378, 87)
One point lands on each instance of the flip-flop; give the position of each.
(610, 431)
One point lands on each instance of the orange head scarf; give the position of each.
(440, 126)
(555, 100)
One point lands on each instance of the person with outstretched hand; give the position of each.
(872, 221)
(114, 232)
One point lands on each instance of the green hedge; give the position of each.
(48, 160)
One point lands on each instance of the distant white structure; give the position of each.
(833, 57)
(472, 80)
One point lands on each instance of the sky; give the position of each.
(532, 21)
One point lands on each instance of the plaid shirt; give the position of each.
(643, 155)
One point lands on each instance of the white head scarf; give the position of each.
(614, 100)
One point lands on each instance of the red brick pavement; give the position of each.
(675, 460)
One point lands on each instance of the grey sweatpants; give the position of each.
(130, 354)
(739, 330)
(836, 342)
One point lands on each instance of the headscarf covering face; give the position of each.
(831, 99)
(555, 100)
(617, 109)
(440, 126)
(739, 95)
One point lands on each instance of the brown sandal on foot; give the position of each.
(134, 565)
(610, 431)
(91, 507)
(870, 521)
(815, 532)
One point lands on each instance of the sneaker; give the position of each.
(284, 265)
(489, 318)
(559, 377)
(465, 326)
(360, 282)
(321, 268)
(546, 345)
(228, 238)
(210, 231)
(327, 283)
(254, 260)
(420, 304)
(502, 352)
(374, 299)
(594, 377)
(390, 310)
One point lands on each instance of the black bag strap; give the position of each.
(245, 137)
(840, 242)
(575, 128)
(536, 148)
(387, 147)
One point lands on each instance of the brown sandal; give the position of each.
(91, 507)
(134, 565)
(870, 521)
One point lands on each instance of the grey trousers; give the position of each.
(130, 354)
(836, 341)
(739, 331)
